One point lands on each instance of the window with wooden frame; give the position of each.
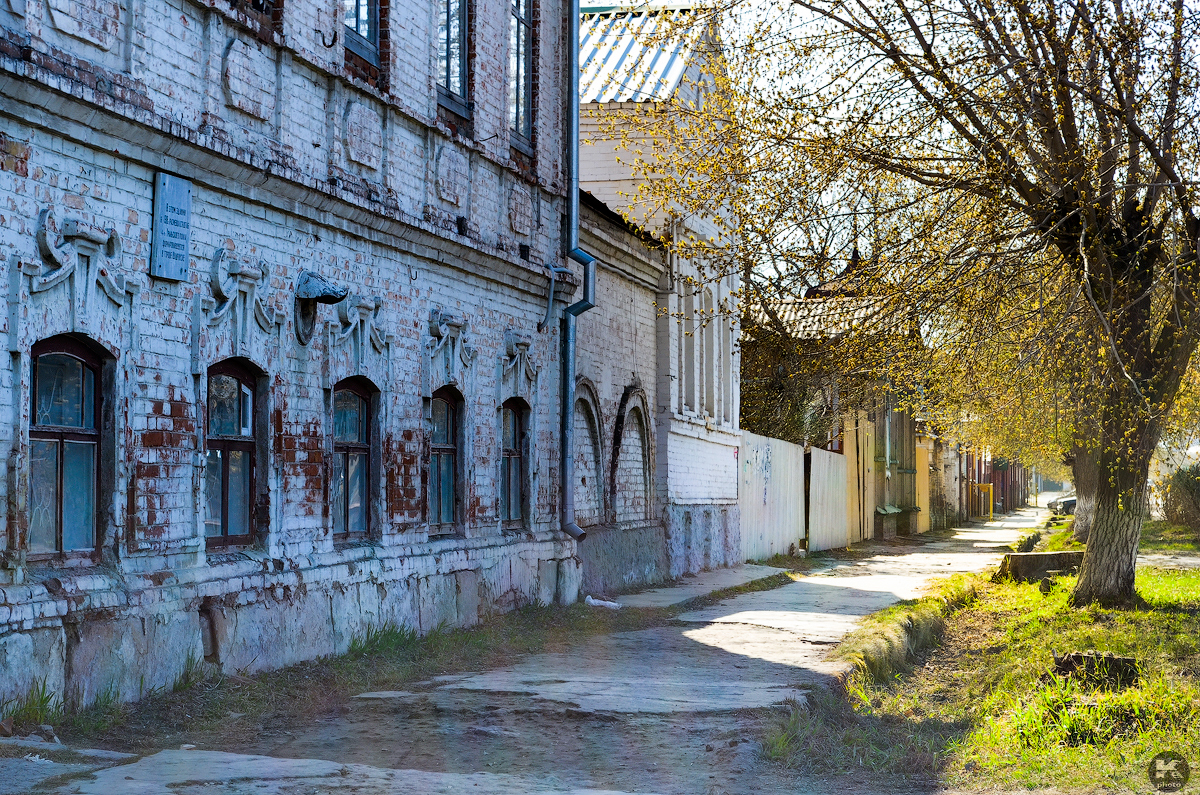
(512, 463)
(443, 460)
(361, 18)
(351, 472)
(520, 74)
(231, 443)
(453, 56)
(64, 447)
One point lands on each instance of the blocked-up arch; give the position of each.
(589, 456)
(632, 466)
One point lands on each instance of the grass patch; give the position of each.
(982, 709)
(1162, 536)
(1060, 541)
(841, 733)
(1157, 536)
(888, 642)
(40, 705)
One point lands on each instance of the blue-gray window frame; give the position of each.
(65, 345)
(248, 379)
(456, 102)
(510, 457)
(366, 47)
(439, 524)
(359, 447)
(521, 34)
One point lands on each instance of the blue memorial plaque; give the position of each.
(170, 246)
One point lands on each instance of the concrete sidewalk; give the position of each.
(701, 584)
(670, 709)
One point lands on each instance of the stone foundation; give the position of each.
(93, 634)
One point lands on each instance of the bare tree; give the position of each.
(1022, 176)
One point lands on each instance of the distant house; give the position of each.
(902, 476)
(658, 356)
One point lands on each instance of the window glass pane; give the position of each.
(366, 20)
(212, 493)
(514, 487)
(356, 493)
(435, 503)
(89, 398)
(446, 483)
(441, 422)
(246, 410)
(454, 47)
(505, 507)
(349, 422)
(60, 397)
(350, 13)
(514, 76)
(339, 493)
(79, 495)
(43, 496)
(239, 492)
(509, 436)
(223, 410)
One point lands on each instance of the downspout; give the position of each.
(566, 436)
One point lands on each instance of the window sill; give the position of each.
(455, 113)
(227, 542)
(352, 541)
(62, 560)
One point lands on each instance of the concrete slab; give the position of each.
(700, 585)
(661, 670)
(22, 775)
(220, 773)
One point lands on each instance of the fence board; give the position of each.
(771, 496)
(827, 501)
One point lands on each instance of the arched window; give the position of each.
(229, 475)
(64, 447)
(351, 459)
(443, 461)
(512, 468)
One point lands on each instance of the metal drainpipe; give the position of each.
(566, 437)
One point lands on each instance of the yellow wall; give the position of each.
(860, 466)
(924, 452)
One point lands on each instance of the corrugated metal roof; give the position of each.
(624, 56)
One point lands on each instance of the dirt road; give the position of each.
(672, 709)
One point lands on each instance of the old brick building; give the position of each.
(275, 277)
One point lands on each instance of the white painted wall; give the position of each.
(770, 495)
(827, 500)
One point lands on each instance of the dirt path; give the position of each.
(672, 709)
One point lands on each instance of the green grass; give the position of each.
(887, 642)
(982, 709)
(39, 705)
(1059, 541)
(1162, 536)
(1157, 536)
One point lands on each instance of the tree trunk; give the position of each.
(1106, 576)
(1086, 471)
